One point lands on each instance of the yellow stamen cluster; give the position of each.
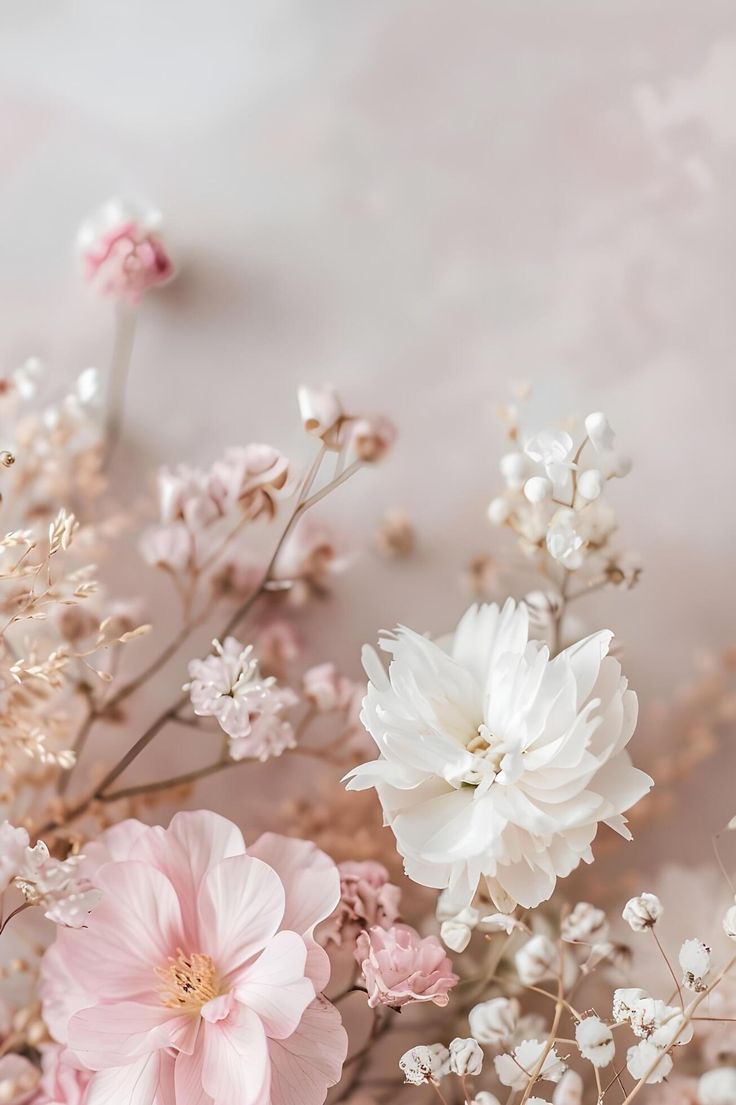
(188, 981)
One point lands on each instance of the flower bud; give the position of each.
(536, 960)
(498, 511)
(718, 1087)
(696, 963)
(584, 925)
(485, 1097)
(320, 409)
(642, 1057)
(595, 1041)
(372, 438)
(729, 923)
(513, 469)
(494, 1021)
(456, 931)
(590, 484)
(598, 429)
(569, 1090)
(643, 912)
(466, 1057)
(537, 489)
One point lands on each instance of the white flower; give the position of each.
(498, 510)
(537, 489)
(729, 923)
(569, 1090)
(598, 429)
(642, 912)
(456, 931)
(564, 542)
(695, 962)
(466, 1057)
(56, 885)
(536, 960)
(485, 1097)
(13, 845)
(718, 1087)
(515, 1070)
(536, 1101)
(425, 1063)
(502, 922)
(496, 761)
(645, 1058)
(320, 409)
(554, 449)
(590, 484)
(584, 925)
(514, 468)
(595, 1041)
(627, 1003)
(651, 1018)
(494, 1021)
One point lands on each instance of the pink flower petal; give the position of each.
(114, 1035)
(236, 1069)
(274, 985)
(135, 927)
(306, 1064)
(188, 1079)
(241, 904)
(149, 1081)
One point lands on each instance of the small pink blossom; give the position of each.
(18, 1080)
(198, 977)
(183, 495)
(170, 547)
(122, 254)
(63, 1082)
(399, 966)
(228, 686)
(373, 437)
(321, 413)
(367, 899)
(250, 479)
(327, 689)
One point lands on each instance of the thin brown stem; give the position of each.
(125, 320)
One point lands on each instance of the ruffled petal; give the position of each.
(305, 1065)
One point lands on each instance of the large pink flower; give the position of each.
(198, 980)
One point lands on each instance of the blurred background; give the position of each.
(422, 203)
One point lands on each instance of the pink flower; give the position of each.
(367, 898)
(198, 979)
(121, 253)
(183, 495)
(18, 1079)
(64, 1082)
(326, 689)
(321, 413)
(400, 966)
(170, 547)
(373, 437)
(228, 685)
(249, 479)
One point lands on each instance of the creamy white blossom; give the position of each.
(485, 1097)
(13, 845)
(537, 960)
(456, 931)
(515, 1070)
(466, 1057)
(569, 1090)
(496, 761)
(729, 923)
(642, 912)
(494, 1021)
(695, 961)
(646, 1059)
(425, 1063)
(585, 924)
(595, 1041)
(718, 1087)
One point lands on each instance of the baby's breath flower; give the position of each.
(514, 1070)
(695, 961)
(729, 923)
(642, 912)
(645, 1058)
(494, 1021)
(584, 925)
(537, 960)
(595, 1041)
(425, 1063)
(569, 1090)
(466, 1057)
(718, 1087)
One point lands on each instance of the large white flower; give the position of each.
(495, 760)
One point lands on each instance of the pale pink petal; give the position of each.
(306, 1064)
(236, 1068)
(113, 1035)
(136, 927)
(188, 1078)
(311, 879)
(274, 985)
(62, 993)
(145, 1082)
(241, 904)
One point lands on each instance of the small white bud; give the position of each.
(514, 468)
(466, 1057)
(498, 511)
(718, 1087)
(641, 1057)
(695, 962)
(729, 923)
(455, 934)
(598, 429)
(536, 960)
(485, 1097)
(537, 489)
(569, 1090)
(590, 484)
(584, 924)
(595, 1041)
(642, 912)
(494, 1021)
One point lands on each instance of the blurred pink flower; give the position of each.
(367, 898)
(373, 437)
(170, 547)
(399, 966)
(327, 689)
(63, 1082)
(250, 479)
(18, 1080)
(122, 254)
(198, 976)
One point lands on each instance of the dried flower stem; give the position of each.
(125, 322)
(550, 1042)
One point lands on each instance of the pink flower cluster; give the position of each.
(198, 979)
(399, 966)
(228, 686)
(367, 898)
(122, 255)
(245, 483)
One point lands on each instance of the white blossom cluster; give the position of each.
(57, 885)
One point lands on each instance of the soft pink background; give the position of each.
(419, 202)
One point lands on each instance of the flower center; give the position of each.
(188, 981)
